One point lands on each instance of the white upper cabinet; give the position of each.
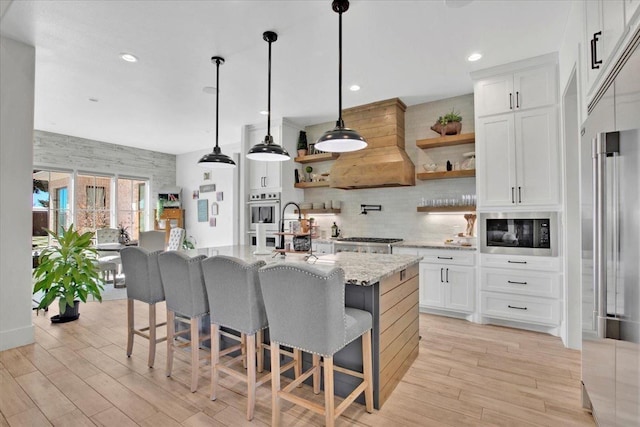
(530, 88)
(517, 150)
(630, 10)
(263, 175)
(604, 28)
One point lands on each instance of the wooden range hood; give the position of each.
(384, 163)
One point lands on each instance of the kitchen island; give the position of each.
(384, 285)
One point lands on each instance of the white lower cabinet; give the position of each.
(525, 289)
(447, 281)
(322, 247)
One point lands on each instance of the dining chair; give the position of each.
(144, 284)
(305, 308)
(186, 298)
(108, 235)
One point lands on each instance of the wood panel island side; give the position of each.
(384, 285)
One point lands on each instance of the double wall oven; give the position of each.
(263, 208)
(519, 233)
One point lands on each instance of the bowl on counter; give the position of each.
(430, 167)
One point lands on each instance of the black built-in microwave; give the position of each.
(519, 233)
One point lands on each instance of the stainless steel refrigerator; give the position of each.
(610, 206)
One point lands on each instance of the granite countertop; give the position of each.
(433, 245)
(359, 268)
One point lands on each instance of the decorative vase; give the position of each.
(70, 313)
(302, 153)
(451, 128)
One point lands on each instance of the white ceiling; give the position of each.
(415, 50)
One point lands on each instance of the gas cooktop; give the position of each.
(369, 240)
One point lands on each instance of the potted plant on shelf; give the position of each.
(302, 144)
(449, 124)
(68, 271)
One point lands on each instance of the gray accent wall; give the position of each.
(56, 151)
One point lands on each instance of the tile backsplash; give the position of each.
(399, 216)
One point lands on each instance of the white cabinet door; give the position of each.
(593, 32)
(537, 160)
(272, 174)
(263, 175)
(431, 288)
(459, 288)
(535, 87)
(495, 161)
(494, 95)
(630, 10)
(257, 174)
(613, 25)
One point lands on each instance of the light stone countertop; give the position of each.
(359, 268)
(433, 245)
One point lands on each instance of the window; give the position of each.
(51, 205)
(131, 205)
(93, 202)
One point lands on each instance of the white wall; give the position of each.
(17, 72)
(399, 217)
(190, 176)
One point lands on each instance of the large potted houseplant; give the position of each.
(68, 270)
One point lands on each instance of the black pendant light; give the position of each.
(268, 150)
(340, 139)
(217, 159)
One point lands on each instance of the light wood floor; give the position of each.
(77, 374)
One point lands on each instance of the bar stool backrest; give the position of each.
(107, 235)
(176, 237)
(305, 307)
(153, 240)
(183, 283)
(235, 296)
(142, 274)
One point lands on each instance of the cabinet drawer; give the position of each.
(521, 262)
(521, 282)
(520, 308)
(452, 257)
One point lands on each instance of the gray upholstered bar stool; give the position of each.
(235, 300)
(143, 284)
(186, 299)
(305, 308)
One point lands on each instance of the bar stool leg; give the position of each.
(215, 358)
(260, 349)
(275, 384)
(367, 370)
(195, 353)
(329, 401)
(171, 331)
(243, 346)
(251, 375)
(152, 334)
(316, 373)
(130, 327)
(297, 367)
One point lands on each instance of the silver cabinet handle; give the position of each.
(265, 180)
(516, 307)
(516, 283)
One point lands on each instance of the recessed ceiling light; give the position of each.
(93, 99)
(129, 57)
(209, 89)
(354, 88)
(264, 113)
(474, 57)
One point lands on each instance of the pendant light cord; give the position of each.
(340, 122)
(269, 96)
(217, 95)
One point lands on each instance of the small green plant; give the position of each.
(308, 169)
(302, 140)
(189, 243)
(450, 117)
(68, 270)
(123, 233)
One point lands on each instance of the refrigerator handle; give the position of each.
(605, 144)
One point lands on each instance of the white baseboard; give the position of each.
(17, 337)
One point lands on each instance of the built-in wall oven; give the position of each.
(263, 208)
(519, 233)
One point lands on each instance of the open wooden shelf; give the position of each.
(318, 211)
(445, 141)
(470, 208)
(424, 176)
(312, 184)
(313, 158)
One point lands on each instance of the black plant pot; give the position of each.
(69, 314)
